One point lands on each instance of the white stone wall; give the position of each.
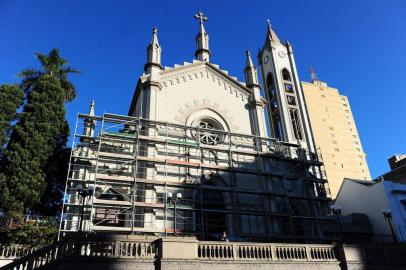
(188, 91)
(356, 197)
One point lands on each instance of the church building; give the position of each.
(202, 154)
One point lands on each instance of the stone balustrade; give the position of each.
(86, 247)
(266, 252)
(152, 251)
(14, 251)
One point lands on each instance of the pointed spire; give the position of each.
(249, 62)
(202, 40)
(91, 111)
(251, 77)
(270, 34)
(153, 53)
(89, 123)
(154, 41)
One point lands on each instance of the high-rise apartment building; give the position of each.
(335, 134)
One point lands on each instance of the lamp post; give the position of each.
(387, 213)
(83, 193)
(175, 201)
(336, 210)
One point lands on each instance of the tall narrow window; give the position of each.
(275, 120)
(287, 81)
(297, 130)
(277, 126)
(270, 84)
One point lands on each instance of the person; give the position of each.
(224, 237)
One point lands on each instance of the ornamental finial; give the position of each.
(201, 17)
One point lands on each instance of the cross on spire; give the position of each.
(201, 17)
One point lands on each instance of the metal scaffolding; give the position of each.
(256, 189)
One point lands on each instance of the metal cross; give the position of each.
(201, 17)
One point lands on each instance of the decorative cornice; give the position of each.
(204, 103)
(147, 84)
(199, 70)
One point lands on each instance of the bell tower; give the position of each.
(287, 113)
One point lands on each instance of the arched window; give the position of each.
(297, 129)
(276, 125)
(286, 75)
(270, 84)
(204, 135)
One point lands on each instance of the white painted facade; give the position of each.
(182, 92)
(284, 94)
(370, 198)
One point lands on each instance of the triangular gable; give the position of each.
(190, 71)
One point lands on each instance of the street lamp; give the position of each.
(336, 210)
(175, 201)
(387, 213)
(83, 193)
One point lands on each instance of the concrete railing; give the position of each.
(9, 253)
(14, 251)
(162, 250)
(270, 252)
(86, 247)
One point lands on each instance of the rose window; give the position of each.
(205, 136)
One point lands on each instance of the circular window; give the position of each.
(205, 135)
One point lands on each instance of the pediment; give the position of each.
(202, 70)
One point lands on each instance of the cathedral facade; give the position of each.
(202, 153)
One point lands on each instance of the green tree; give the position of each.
(39, 135)
(11, 98)
(54, 65)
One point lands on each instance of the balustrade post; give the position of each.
(30, 263)
(274, 257)
(235, 254)
(117, 249)
(308, 254)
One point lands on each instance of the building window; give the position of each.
(270, 83)
(289, 87)
(251, 224)
(206, 136)
(287, 81)
(291, 100)
(286, 75)
(337, 149)
(297, 130)
(331, 128)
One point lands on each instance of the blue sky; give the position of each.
(356, 46)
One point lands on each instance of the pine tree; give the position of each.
(11, 98)
(39, 136)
